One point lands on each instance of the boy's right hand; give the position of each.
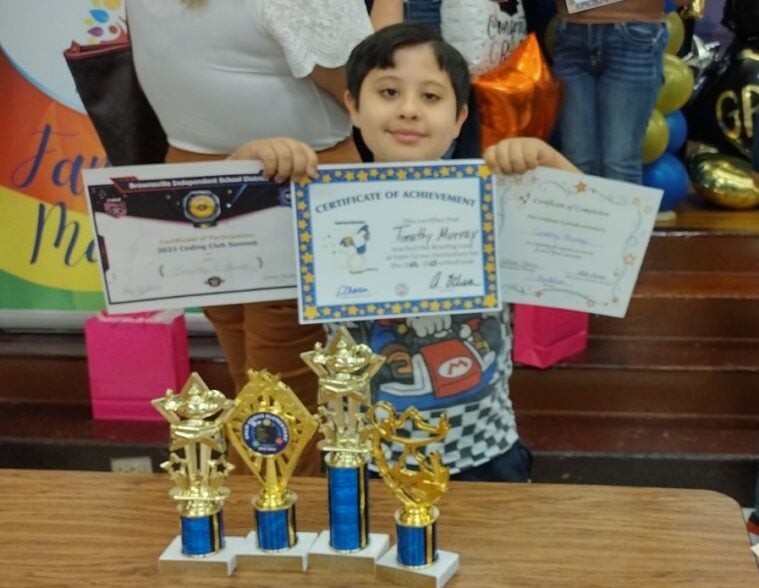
(520, 154)
(282, 158)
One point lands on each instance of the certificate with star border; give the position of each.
(393, 240)
(572, 241)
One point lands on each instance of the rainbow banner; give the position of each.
(48, 256)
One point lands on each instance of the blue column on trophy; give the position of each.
(348, 488)
(203, 535)
(275, 527)
(417, 544)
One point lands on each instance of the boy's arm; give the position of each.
(282, 158)
(514, 156)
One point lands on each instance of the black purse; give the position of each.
(125, 122)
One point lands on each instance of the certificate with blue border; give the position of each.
(392, 240)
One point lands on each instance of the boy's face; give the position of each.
(407, 112)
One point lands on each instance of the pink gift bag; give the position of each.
(544, 336)
(133, 358)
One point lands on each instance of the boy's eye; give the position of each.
(389, 92)
(430, 97)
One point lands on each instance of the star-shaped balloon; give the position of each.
(518, 98)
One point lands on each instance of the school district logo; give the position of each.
(115, 209)
(266, 433)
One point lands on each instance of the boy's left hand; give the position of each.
(281, 157)
(515, 156)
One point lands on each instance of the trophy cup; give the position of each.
(270, 428)
(415, 560)
(198, 468)
(345, 369)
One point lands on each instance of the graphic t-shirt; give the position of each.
(453, 364)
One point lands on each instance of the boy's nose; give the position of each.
(409, 109)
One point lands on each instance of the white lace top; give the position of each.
(222, 72)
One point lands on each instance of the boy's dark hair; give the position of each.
(377, 51)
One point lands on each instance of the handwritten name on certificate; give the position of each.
(385, 241)
(191, 234)
(572, 241)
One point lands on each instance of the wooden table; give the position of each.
(83, 529)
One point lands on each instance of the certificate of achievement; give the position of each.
(572, 241)
(191, 234)
(382, 241)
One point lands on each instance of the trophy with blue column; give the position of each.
(198, 468)
(345, 370)
(270, 427)
(419, 481)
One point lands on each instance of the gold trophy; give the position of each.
(415, 560)
(198, 468)
(270, 428)
(345, 370)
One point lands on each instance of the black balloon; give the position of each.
(721, 109)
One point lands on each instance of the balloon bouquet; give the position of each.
(721, 113)
(667, 129)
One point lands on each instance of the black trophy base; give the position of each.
(293, 559)
(433, 576)
(324, 557)
(222, 563)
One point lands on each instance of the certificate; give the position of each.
(572, 241)
(580, 5)
(385, 241)
(191, 234)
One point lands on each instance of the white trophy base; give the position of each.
(434, 576)
(173, 561)
(323, 557)
(294, 559)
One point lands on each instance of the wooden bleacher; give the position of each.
(668, 396)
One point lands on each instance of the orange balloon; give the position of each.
(518, 98)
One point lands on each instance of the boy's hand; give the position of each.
(515, 156)
(282, 158)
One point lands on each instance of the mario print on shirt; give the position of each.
(433, 361)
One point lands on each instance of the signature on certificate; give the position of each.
(180, 270)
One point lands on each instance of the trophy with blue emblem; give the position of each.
(419, 482)
(198, 468)
(345, 369)
(270, 427)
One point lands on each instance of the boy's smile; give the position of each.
(407, 112)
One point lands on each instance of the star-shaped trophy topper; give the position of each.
(197, 416)
(345, 369)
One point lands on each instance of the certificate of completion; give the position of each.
(572, 241)
(382, 241)
(191, 234)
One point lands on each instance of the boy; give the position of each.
(407, 93)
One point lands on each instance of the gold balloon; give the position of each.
(657, 137)
(678, 85)
(695, 11)
(723, 180)
(676, 31)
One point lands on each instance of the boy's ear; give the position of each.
(352, 107)
(461, 117)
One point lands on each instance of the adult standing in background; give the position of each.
(609, 55)
(220, 73)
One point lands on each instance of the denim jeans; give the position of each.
(612, 75)
(424, 11)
